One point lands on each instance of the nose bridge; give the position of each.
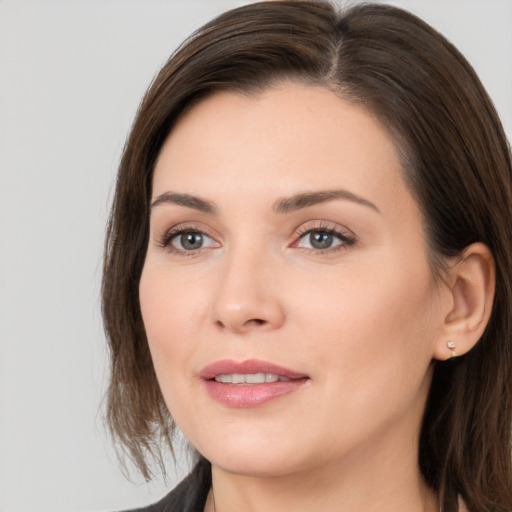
(247, 297)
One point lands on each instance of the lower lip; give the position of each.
(251, 395)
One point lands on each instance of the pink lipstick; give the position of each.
(249, 383)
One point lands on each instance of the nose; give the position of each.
(248, 296)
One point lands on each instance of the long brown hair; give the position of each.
(455, 159)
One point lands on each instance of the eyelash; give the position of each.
(347, 240)
(166, 241)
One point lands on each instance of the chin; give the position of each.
(257, 465)
(262, 456)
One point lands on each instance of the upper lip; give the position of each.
(250, 366)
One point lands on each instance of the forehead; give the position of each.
(291, 136)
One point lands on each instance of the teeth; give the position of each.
(250, 378)
(257, 378)
(237, 379)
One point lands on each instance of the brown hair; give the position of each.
(456, 161)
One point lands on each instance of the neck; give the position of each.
(307, 496)
(370, 480)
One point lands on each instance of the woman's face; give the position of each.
(289, 305)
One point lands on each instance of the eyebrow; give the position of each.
(299, 201)
(281, 206)
(186, 200)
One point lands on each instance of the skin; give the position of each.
(362, 319)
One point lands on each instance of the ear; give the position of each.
(471, 284)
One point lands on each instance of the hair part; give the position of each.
(456, 162)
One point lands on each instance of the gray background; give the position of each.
(72, 73)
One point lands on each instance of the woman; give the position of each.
(308, 268)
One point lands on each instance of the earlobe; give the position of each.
(471, 285)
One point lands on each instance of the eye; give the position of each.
(187, 240)
(320, 239)
(323, 239)
(191, 241)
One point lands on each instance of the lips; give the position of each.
(249, 383)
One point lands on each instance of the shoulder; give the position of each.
(189, 496)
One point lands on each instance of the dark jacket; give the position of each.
(189, 496)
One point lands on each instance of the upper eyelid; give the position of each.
(319, 225)
(164, 238)
(187, 226)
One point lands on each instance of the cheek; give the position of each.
(368, 339)
(373, 323)
(383, 297)
(169, 314)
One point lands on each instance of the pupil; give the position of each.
(320, 240)
(191, 241)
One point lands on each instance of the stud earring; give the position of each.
(451, 347)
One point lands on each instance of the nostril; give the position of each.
(247, 324)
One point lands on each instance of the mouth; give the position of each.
(250, 378)
(249, 383)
